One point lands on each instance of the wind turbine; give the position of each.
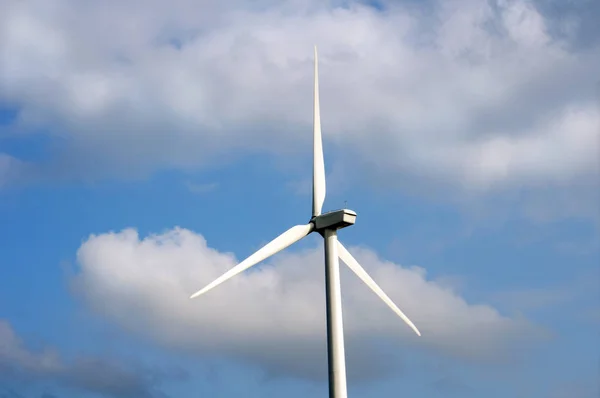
(326, 225)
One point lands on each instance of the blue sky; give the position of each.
(133, 172)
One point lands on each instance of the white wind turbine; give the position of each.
(326, 225)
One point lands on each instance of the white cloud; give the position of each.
(274, 316)
(477, 93)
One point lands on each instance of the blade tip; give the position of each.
(414, 328)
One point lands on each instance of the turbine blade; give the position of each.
(318, 162)
(284, 240)
(362, 274)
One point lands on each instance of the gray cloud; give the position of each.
(10, 393)
(574, 20)
(449, 385)
(106, 377)
(201, 189)
(570, 297)
(484, 96)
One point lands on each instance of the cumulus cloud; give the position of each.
(99, 375)
(484, 95)
(274, 316)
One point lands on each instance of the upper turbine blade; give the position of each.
(318, 162)
(362, 274)
(284, 240)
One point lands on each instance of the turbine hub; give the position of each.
(335, 220)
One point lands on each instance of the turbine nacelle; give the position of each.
(335, 220)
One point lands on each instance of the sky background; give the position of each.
(148, 146)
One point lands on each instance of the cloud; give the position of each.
(449, 385)
(14, 356)
(99, 375)
(571, 297)
(10, 393)
(274, 316)
(576, 389)
(201, 189)
(591, 315)
(533, 299)
(10, 169)
(495, 96)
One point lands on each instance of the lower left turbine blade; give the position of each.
(284, 240)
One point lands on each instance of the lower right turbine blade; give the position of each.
(362, 274)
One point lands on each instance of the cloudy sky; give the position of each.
(148, 146)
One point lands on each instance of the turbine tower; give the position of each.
(326, 225)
